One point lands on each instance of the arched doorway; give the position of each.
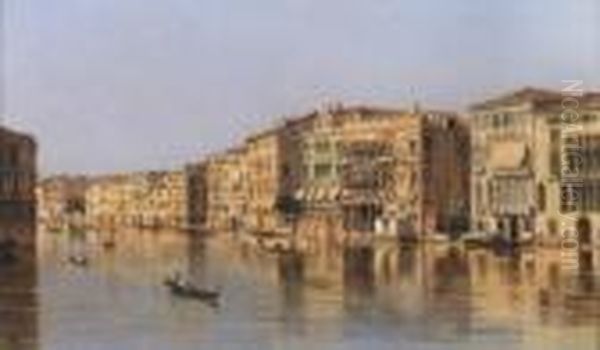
(584, 230)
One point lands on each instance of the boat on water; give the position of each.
(184, 289)
(79, 260)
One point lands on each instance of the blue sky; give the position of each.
(135, 84)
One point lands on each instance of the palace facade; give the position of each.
(536, 161)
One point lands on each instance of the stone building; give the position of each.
(158, 199)
(105, 201)
(265, 173)
(392, 171)
(345, 165)
(197, 195)
(446, 174)
(61, 200)
(18, 171)
(226, 191)
(19, 299)
(153, 199)
(535, 165)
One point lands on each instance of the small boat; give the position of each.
(79, 260)
(187, 290)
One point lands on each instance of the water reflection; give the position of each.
(387, 296)
(18, 297)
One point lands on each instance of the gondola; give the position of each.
(186, 290)
(79, 260)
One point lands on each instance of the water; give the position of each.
(359, 298)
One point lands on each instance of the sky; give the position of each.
(119, 85)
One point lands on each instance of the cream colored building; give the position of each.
(527, 146)
(60, 200)
(392, 171)
(105, 201)
(154, 199)
(158, 199)
(226, 205)
(265, 171)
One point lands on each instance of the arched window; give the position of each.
(541, 197)
(552, 227)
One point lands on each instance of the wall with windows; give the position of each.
(18, 173)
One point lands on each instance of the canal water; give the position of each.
(388, 297)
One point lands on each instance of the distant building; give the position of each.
(107, 201)
(365, 169)
(18, 171)
(159, 199)
(446, 173)
(197, 195)
(265, 173)
(61, 200)
(536, 167)
(226, 176)
(152, 199)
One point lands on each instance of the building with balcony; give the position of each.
(535, 165)
(396, 172)
(348, 178)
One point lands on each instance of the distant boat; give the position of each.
(187, 290)
(79, 260)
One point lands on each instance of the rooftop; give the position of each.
(537, 97)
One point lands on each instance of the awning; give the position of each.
(320, 194)
(300, 194)
(361, 197)
(310, 194)
(508, 155)
(334, 194)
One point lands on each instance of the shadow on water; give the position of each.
(291, 277)
(18, 298)
(359, 272)
(436, 295)
(582, 297)
(448, 290)
(198, 262)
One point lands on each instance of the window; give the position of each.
(322, 147)
(507, 120)
(570, 198)
(412, 145)
(496, 121)
(322, 170)
(478, 196)
(555, 151)
(541, 197)
(13, 156)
